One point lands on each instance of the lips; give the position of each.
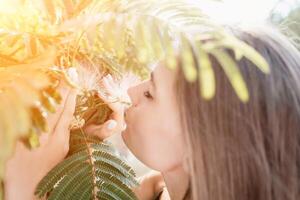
(126, 117)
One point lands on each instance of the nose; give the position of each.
(132, 95)
(135, 94)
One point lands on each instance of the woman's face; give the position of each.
(154, 132)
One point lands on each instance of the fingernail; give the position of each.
(72, 73)
(111, 124)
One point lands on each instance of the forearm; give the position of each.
(16, 191)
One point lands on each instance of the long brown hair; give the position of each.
(246, 151)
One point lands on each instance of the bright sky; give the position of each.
(250, 11)
(247, 10)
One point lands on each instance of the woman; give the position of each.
(222, 148)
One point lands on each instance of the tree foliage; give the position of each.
(91, 171)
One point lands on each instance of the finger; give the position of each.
(44, 138)
(119, 117)
(66, 117)
(107, 85)
(64, 90)
(102, 131)
(61, 135)
(52, 118)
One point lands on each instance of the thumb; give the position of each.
(102, 131)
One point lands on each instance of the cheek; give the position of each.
(154, 138)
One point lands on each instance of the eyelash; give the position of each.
(148, 95)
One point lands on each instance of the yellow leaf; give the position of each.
(39, 119)
(233, 73)
(171, 60)
(82, 5)
(54, 94)
(156, 40)
(69, 5)
(243, 49)
(206, 74)
(251, 54)
(188, 62)
(7, 61)
(143, 42)
(33, 46)
(50, 9)
(33, 139)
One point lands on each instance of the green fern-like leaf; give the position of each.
(1, 190)
(91, 171)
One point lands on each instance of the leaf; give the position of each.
(55, 175)
(47, 102)
(156, 38)
(69, 5)
(206, 74)
(39, 119)
(50, 9)
(33, 139)
(251, 54)
(188, 62)
(241, 49)
(82, 4)
(233, 73)
(69, 181)
(167, 42)
(85, 173)
(145, 52)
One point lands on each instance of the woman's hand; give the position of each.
(151, 185)
(118, 100)
(27, 167)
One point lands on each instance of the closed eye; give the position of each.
(148, 95)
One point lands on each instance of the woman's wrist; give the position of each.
(21, 184)
(14, 190)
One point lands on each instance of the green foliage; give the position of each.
(289, 24)
(91, 171)
(294, 20)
